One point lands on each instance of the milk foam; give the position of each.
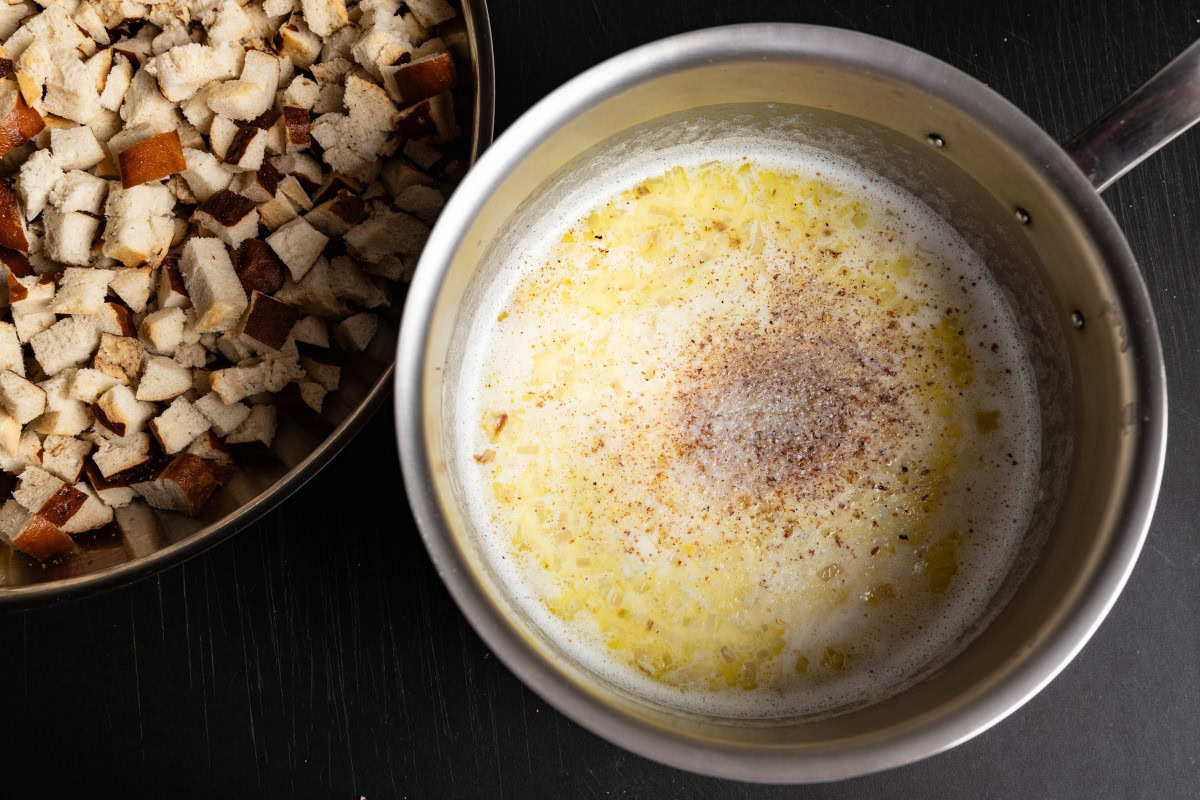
(1000, 501)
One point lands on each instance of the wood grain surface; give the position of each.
(317, 654)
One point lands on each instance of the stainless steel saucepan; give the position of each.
(1029, 206)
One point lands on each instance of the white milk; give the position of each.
(743, 470)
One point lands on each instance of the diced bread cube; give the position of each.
(121, 412)
(179, 425)
(140, 226)
(88, 384)
(151, 159)
(31, 311)
(163, 379)
(115, 455)
(32, 534)
(191, 354)
(116, 319)
(298, 245)
(69, 236)
(259, 268)
(349, 282)
(93, 514)
(204, 174)
(420, 78)
(423, 202)
(225, 417)
(268, 321)
(301, 93)
(259, 427)
(230, 216)
(335, 216)
(172, 293)
(386, 233)
(184, 485)
(311, 330)
(299, 43)
(117, 83)
(79, 191)
(37, 177)
(269, 374)
(67, 343)
(210, 448)
(64, 416)
(196, 111)
(163, 329)
(145, 105)
(212, 284)
(42, 493)
(184, 69)
(81, 290)
(314, 293)
(119, 357)
(431, 12)
(356, 332)
(277, 212)
(252, 93)
(133, 285)
(75, 148)
(324, 16)
(11, 357)
(246, 149)
(64, 456)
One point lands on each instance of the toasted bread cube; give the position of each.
(117, 83)
(132, 285)
(254, 376)
(298, 245)
(38, 176)
(140, 226)
(311, 330)
(252, 93)
(314, 293)
(69, 236)
(431, 12)
(13, 232)
(163, 379)
(64, 456)
(31, 312)
(322, 369)
(221, 133)
(259, 186)
(88, 384)
(116, 319)
(119, 357)
(79, 191)
(75, 148)
(423, 202)
(230, 216)
(18, 122)
(298, 43)
(398, 175)
(269, 321)
(224, 417)
(378, 47)
(205, 175)
(81, 291)
(115, 455)
(32, 534)
(259, 427)
(163, 330)
(196, 111)
(10, 435)
(324, 16)
(349, 282)
(172, 293)
(226, 22)
(71, 93)
(121, 412)
(246, 149)
(184, 69)
(185, 485)
(42, 493)
(301, 93)
(67, 343)
(179, 425)
(151, 159)
(93, 514)
(420, 78)
(356, 332)
(211, 448)
(259, 268)
(386, 233)
(11, 357)
(337, 215)
(421, 153)
(212, 285)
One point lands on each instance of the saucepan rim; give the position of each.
(766, 41)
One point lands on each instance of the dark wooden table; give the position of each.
(317, 655)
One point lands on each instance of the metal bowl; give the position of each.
(300, 449)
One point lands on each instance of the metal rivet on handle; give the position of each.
(936, 140)
(1077, 319)
(1023, 216)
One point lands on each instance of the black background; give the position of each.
(317, 654)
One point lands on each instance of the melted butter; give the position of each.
(741, 423)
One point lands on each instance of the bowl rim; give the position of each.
(752, 42)
(478, 27)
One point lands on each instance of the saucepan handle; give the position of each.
(1158, 111)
